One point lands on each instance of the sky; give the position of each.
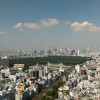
(49, 23)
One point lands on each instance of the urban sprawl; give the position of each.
(81, 83)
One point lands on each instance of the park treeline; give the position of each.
(66, 60)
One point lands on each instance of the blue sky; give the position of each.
(49, 23)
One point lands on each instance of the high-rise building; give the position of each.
(88, 50)
(78, 52)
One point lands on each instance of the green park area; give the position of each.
(66, 60)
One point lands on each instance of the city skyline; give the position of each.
(48, 23)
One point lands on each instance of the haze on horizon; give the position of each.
(49, 23)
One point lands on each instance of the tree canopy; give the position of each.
(66, 60)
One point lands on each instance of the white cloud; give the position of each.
(76, 26)
(34, 26)
(95, 29)
(38, 25)
(49, 22)
(19, 25)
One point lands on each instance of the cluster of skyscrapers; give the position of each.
(46, 52)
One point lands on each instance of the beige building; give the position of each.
(18, 66)
(6, 71)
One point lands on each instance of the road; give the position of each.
(38, 96)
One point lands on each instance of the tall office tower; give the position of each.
(49, 52)
(40, 72)
(73, 52)
(31, 51)
(46, 52)
(66, 50)
(69, 51)
(88, 50)
(19, 52)
(78, 52)
(35, 73)
(35, 52)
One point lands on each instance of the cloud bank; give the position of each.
(49, 22)
(18, 25)
(76, 26)
(38, 25)
(32, 25)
